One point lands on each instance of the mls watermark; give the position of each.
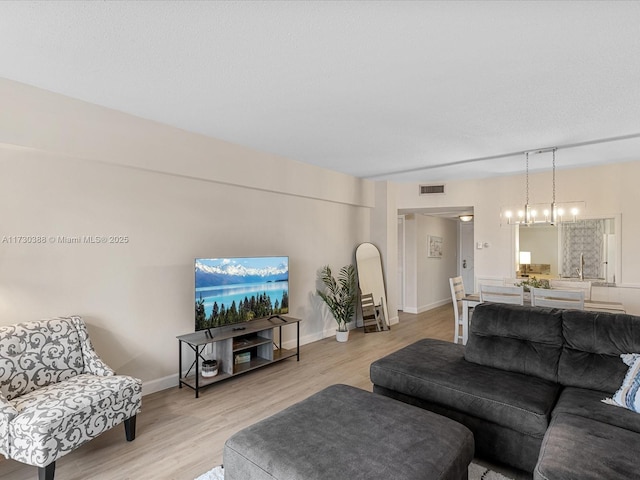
(64, 239)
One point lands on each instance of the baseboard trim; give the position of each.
(426, 308)
(159, 384)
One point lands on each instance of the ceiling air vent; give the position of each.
(431, 189)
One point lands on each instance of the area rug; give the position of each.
(216, 474)
(476, 472)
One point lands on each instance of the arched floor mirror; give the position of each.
(373, 297)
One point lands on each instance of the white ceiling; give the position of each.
(405, 91)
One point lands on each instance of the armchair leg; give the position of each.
(46, 473)
(129, 429)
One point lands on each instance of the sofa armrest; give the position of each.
(7, 414)
(92, 362)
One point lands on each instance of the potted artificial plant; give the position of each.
(340, 296)
(533, 282)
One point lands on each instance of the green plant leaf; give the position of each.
(339, 294)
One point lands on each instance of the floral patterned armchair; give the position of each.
(56, 393)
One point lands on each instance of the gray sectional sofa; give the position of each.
(529, 384)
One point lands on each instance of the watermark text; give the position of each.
(64, 239)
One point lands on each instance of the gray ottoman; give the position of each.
(346, 433)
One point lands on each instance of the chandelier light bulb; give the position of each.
(508, 215)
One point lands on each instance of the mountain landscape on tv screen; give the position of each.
(233, 290)
(235, 273)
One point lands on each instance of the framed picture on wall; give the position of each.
(434, 246)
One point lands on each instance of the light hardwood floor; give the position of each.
(181, 437)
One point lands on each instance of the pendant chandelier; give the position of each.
(545, 213)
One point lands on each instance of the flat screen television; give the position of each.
(239, 289)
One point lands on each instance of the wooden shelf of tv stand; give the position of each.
(242, 343)
(255, 336)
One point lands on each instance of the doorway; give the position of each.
(423, 281)
(466, 257)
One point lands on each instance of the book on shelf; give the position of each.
(242, 358)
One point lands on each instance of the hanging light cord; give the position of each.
(527, 170)
(553, 200)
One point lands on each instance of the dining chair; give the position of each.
(502, 294)
(457, 294)
(572, 285)
(544, 297)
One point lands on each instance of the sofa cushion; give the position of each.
(36, 354)
(56, 419)
(493, 441)
(516, 338)
(436, 371)
(580, 448)
(588, 404)
(594, 342)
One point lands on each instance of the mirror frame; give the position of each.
(376, 285)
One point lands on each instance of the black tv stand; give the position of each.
(237, 351)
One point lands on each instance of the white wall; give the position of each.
(384, 235)
(411, 263)
(428, 284)
(607, 190)
(71, 169)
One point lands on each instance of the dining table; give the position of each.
(472, 300)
